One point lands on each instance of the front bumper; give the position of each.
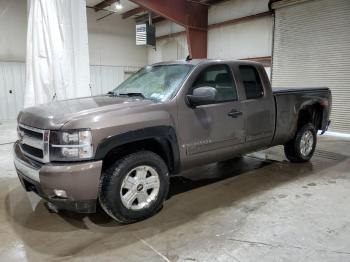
(79, 180)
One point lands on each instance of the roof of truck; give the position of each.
(202, 61)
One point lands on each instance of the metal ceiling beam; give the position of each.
(138, 10)
(186, 13)
(190, 14)
(104, 4)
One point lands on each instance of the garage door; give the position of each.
(312, 48)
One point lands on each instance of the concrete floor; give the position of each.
(257, 208)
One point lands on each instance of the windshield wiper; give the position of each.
(132, 94)
(111, 93)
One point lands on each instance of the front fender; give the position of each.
(165, 135)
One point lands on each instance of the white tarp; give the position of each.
(57, 63)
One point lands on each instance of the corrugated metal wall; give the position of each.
(106, 78)
(12, 84)
(312, 48)
(246, 39)
(168, 49)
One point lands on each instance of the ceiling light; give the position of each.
(118, 5)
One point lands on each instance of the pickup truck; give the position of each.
(118, 150)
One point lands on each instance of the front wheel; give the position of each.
(134, 187)
(302, 147)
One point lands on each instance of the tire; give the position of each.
(295, 150)
(125, 193)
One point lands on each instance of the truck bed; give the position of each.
(290, 101)
(298, 89)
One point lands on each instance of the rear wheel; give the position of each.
(302, 147)
(134, 187)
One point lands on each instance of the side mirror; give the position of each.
(202, 96)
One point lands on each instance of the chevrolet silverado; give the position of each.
(118, 150)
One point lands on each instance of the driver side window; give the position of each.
(220, 78)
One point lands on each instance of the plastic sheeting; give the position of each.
(57, 64)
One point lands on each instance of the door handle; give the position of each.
(234, 113)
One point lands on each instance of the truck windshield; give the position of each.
(160, 82)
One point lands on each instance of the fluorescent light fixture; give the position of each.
(118, 5)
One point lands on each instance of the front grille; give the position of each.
(34, 142)
(38, 153)
(31, 133)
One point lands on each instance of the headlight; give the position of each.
(71, 145)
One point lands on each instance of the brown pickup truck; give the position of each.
(119, 149)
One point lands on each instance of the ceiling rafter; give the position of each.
(104, 4)
(143, 18)
(138, 10)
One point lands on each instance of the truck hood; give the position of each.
(54, 115)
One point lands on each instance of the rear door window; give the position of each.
(251, 82)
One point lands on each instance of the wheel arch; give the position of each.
(161, 140)
(311, 113)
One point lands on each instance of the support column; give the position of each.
(197, 42)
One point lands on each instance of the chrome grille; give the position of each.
(34, 142)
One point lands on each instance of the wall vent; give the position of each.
(145, 34)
